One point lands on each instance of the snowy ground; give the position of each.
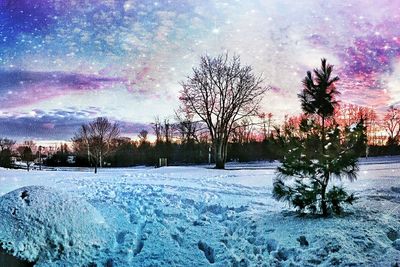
(196, 216)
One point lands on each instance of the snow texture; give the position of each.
(198, 216)
(42, 224)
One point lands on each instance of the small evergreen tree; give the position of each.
(321, 150)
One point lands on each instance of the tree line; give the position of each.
(219, 120)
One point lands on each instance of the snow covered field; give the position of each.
(197, 216)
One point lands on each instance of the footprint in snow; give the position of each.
(207, 250)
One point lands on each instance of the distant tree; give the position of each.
(5, 152)
(163, 130)
(243, 132)
(5, 158)
(392, 125)
(30, 144)
(321, 152)
(80, 149)
(291, 126)
(25, 152)
(64, 148)
(266, 120)
(372, 126)
(124, 154)
(186, 127)
(221, 92)
(143, 136)
(349, 114)
(190, 149)
(168, 130)
(157, 128)
(6, 143)
(97, 138)
(146, 152)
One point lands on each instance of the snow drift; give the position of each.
(41, 224)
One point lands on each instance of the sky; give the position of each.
(66, 62)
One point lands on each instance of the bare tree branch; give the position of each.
(222, 92)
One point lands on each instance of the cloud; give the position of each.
(368, 72)
(20, 87)
(48, 127)
(372, 54)
(392, 81)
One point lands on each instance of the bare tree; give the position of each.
(266, 120)
(163, 130)
(167, 130)
(373, 126)
(243, 132)
(157, 127)
(350, 114)
(222, 92)
(97, 138)
(187, 128)
(392, 125)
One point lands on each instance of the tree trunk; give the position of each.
(220, 164)
(27, 167)
(324, 206)
(225, 149)
(95, 165)
(323, 135)
(219, 155)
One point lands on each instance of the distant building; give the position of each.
(71, 159)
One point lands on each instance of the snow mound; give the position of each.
(40, 224)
